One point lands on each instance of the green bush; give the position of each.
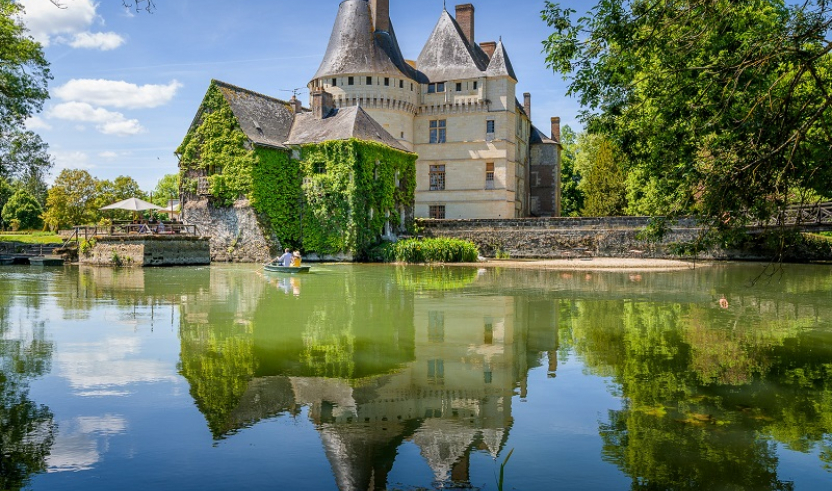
(24, 208)
(432, 250)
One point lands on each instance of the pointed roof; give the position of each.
(448, 55)
(341, 124)
(500, 64)
(265, 120)
(354, 47)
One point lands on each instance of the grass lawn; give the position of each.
(31, 237)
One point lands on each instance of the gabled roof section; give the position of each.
(448, 55)
(341, 124)
(500, 65)
(265, 120)
(355, 48)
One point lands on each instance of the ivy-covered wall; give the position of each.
(329, 198)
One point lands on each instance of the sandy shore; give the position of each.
(595, 263)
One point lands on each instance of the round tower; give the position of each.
(364, 66)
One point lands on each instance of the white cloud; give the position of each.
(104, 41)
(69, 25)
(70, 160)
(37, 123)
(107, 122)
(108, 155)
(115, 93)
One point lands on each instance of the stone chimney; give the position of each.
(527, 104)
(381, 14)
(297, 106)
(465, 19)
(489, 47)
(322, 103)
(556, 129)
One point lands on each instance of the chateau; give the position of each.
(455, 107)
(385, 140)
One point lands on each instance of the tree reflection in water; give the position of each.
(26, 427)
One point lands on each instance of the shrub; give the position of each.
(24, 208)
(432, 250)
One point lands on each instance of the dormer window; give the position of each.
(369, 80)
(386, 81)
(436, 88)
(459, 86)
(350, 80)
(475, 85)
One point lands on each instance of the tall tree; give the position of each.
(572, 201)
(166, 189)
(727, 106)
(71, 200)
(603, 184)
(24, 74)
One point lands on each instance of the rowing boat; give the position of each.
(275, 268)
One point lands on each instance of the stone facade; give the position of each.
(481, 166)
(234, 232)
(152, 251)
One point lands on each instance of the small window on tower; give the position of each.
(369, 80)
(335, 82)
(386, 81)
(475, 85)
(351, 81)
(459, 87)
(401, 84)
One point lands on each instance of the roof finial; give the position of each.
(445, 5)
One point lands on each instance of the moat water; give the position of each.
(406, 378)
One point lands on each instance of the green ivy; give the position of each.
(335, 198)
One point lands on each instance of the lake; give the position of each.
(373, 377)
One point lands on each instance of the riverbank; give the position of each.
(592, 264)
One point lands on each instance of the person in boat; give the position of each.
(286, 258)
(296, 259)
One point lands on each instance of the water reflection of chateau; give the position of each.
(442, 378)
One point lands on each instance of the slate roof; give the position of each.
(447, 55)
(341, 124)
(537, 137)
(354, 47)
(265, 120)
(500, 64)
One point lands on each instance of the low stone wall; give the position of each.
(542, 238)
(150, 251)
(234, 231)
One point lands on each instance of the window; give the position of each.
(350, 80)
(436, 327)
(437, 177)
(437, 131)
(475, 85)
(436, 212)
(386, 81)
(369, 80)
(489, 175)
(401, 84)
(335, 82)
(459, 87)
(436, 372)
(489, 126)
(320, 168)
(437, 87)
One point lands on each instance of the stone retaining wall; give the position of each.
(564, 237)
(234, 231)
(151, 251)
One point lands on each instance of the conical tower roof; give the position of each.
(355, 48)
(500, 65)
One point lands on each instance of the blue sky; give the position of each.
(127, 85)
